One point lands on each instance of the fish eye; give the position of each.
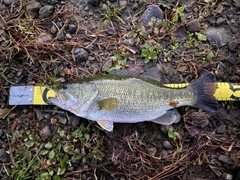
(65, 86)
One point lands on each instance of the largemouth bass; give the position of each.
(127, 99)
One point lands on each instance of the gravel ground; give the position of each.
(49, 42)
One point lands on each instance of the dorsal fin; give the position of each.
(154, 73)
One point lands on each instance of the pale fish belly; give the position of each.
(138, 101)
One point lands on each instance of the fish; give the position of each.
(127, 98)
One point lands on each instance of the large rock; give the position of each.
(217, 35)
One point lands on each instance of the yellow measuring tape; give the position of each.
(225, 92)
(41, 95)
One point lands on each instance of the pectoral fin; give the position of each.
(108, 104)
(170, 117)
(107, 125)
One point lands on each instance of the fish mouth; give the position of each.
(57, 100)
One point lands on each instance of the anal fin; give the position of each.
(107, 125)
(170, 117)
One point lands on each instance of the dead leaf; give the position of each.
(4, 112)
(15, 123)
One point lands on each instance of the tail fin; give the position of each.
(204, 88)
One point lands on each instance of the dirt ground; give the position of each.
(72, 40)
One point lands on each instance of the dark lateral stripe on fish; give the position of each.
(205, 87)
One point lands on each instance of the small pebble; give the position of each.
(220, 20)
(53, 30)
(227, 176)
(4, 156)
(47, 116)
(193, 26)
(8, 2)
(221, 129)
(104, 7)
(225, 159)
(53, 120)
(164, 153)
(234, 30)
(39, 115)
(91, 58)
(44, 38)
(188, 9)
(61, 119)
(19, 73)
(232, 45)
(72, 28)
(128, 42)
(45, 11)
(61, 36)
(153, 11)
(94, 2)
(2, 97)
(1, 133)
(166, 144)
(30, 116)
(152, 151)
(135, 6)
(123, 3)
(86, 8)
(32, 8)
(81, 54)
(75, 121)
(166, 128)
(68, 36)
(45, 133)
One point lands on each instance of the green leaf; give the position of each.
(210, 55)
(146, 60)
(29, 143)
(170, 134)
(68, 148)
(156, 30)
(44, 152)
(64, 160)
(154, 55)
(143, 33)
(86, 136)
(51, 172)
(120, 19)
(175, 18)
(51, 154)
(56, 177)
(180, 9)
(145, 53)
(48, 145)
(113, 58)
(82, 127)
(61, 171)
(201, 37)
